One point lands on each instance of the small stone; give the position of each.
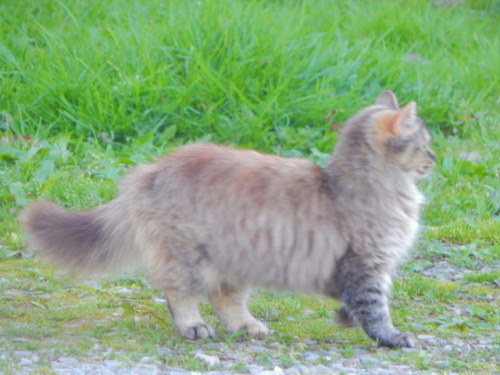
(384, 372)
(235, 356)
(311, 357)
(208, 359)
(122, 290)
(457, 342)
(337, 368)
(159, 300)
(21, 353)
(25, 362)
(292, 371)
(351, 362)
(303, 370)
(426, 337)
(308, 312)
(466, 348)
(485, 342)
(112, 363)
(257, 349)
(408, 350)
(145, 370)
(320, 370)
(308, 341)
(254, 370)
(66, 360)
(358, 351)
(163, 351)
(367, 360)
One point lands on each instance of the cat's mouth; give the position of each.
(425, 169)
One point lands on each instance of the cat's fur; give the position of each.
(209, 220)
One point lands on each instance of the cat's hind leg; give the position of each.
(176, 265)
(185, 312)
(346, 318)
(230, 305)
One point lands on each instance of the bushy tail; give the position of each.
(86, 243)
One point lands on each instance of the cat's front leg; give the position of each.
(364, 293)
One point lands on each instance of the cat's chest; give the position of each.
(403, 221)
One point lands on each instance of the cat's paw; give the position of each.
(198, 331)
(256, 330)
(398, 340)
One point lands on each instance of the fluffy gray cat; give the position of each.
(213, 221)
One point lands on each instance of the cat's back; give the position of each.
(197, 158)
(202, 166)
(203, 178)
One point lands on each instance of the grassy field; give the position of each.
(89, 89)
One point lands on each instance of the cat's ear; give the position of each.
(387, 99)
(404, 121)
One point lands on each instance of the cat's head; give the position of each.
(393, 135)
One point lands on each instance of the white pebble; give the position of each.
(208, 359)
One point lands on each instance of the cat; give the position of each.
(214, 221)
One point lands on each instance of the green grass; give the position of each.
(89, 89)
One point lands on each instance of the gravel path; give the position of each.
(362, 362)
(242, 357)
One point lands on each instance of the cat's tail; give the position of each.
(86, 243)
